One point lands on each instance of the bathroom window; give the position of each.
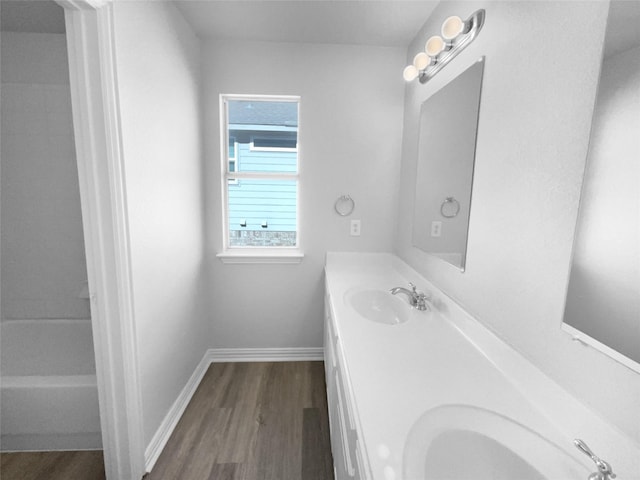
(260, 175)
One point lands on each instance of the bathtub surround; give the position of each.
(48, 387)
(33, 348)
(48, 390)
(44, 266)
(535, 117)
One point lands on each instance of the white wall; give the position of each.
(350, 131)
(605, 276)
(157, 58)
(537, 100)
(43, 260)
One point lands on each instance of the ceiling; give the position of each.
(360, 22)
(364, 22)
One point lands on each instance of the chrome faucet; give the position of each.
(416, 299)
(605, 472)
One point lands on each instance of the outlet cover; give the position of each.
(355, 228)
(436, 228)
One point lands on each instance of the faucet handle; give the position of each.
(605, 472)
(424, 295)
(584, 448)
(421, 302)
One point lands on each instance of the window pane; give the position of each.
(262, 213)
(275, 141)
(265, 135)
(232, 152)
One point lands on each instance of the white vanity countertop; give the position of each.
(444, 357)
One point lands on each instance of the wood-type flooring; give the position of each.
(246, 421)
(84, 465)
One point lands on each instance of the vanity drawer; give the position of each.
(328, 317)
(346, 434)
(348, 431)
(360, 468)
(330, 338)
(330, 347)
(345, 396)
(347, 458)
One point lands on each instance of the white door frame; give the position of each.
(96, 119)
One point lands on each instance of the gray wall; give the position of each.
(157, 58)
(349, 143)
(542, 64)
(43, 260)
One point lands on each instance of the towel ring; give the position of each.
(450, 207)
(344, 205)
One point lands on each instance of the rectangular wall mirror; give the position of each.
(444, 177)
(603, 297)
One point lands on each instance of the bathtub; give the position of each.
(48, 390)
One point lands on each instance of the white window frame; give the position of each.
(249, 254)
(234, 181)
(234, 158)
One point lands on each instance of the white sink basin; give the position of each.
(460, 442)
(378, 306)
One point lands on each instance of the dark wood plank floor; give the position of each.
(252, 421)
(246, 421)
(86, 465)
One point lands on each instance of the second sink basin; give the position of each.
(378, 306)
(463, 441)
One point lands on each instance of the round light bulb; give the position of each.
(434, 46)
(452, 27)
(410, 73)
(421, 61)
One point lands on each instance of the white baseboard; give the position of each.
(161, 437)
(219, 355)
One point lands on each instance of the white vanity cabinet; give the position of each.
(399, 395)
(347, 458)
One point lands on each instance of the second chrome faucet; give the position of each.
(416, 299)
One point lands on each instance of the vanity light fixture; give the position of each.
(440, 50)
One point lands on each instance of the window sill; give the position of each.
(262, 257)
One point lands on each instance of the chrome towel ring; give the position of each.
(344, 205)
(450, 207)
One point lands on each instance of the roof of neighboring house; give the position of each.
(263, 113)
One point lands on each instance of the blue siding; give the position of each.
(257, 201)
(266, 161)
